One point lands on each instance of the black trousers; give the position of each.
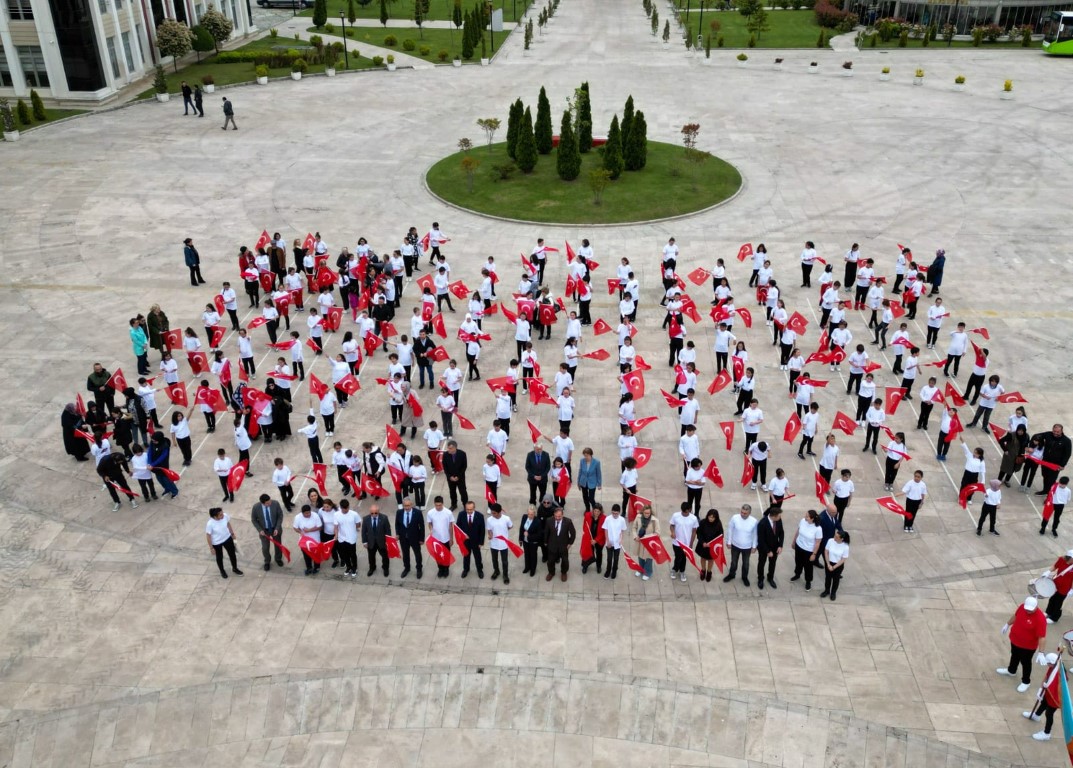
(588, 497)
(384, 562)
(266, 551)
(532, 551)
(744, 554)
(803, 563)
(348, 553)
(890, 471)
(806, 444)
(229, 545)
(478, 561)
(988, 511)
(196, 278)
(612, 562)
(806, 275)
(925, 414)
(1054, 606)
(562, 557)
(500, 561)
(831, 579)
(286, 493)
(1043, 528)
(457, 488)
(597, 558)
(765, 559)
(911, 507)
(537, 489)
(1021, 657)
(408, 545)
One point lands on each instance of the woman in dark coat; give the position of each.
(709, 529)
(281, 422)
(935, 271)
(70, 421)
(158, 325)
(1013, 446)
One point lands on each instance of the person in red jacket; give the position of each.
(1028, 632)
(593, 539)
(1049, 699)
(1062, 573)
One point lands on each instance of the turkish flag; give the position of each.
(318, 551)
(177, 394)
(538, 393)
(967, 491)
(492, 308)
(506, 383)
(1033, 459)
(955, 428)
(642, 456)
(333, 318)
(371, 486)
(514, 547)
(718, 551)
(562, 485)
(116, 381)
(691, 556)
(85, 435)
(1048, 504)
(893, 396)
(173, 339)
(689, 309)
(316, 386)
(528, 265)
(501, 463)
(459, 289)
(426, 281)
(638, 424)
(415, 405)
(897, 310)
(393, 438)
(844, 423)
(739, 367)
(463, 421)
(199, 362)
(639, 362)
(440, 354)
(720, 382)
(216, 335)
(745, 252)
(612, 285)
(461, 539)
(489, 495)
(570, 255)
(236, 475)
(699, 275)
(822, 488)
(712, 473)
(257, 322)
(313, 344)
(326, 276)
(436, 459)
(266, 279)
(888, 503)
(599, 354)
(938, 397)
(372, 343)
(746, 469)
(632, 564)
(797, 323)
(746, 316)
(792, 429)
(1011, 397)
(348, 476)
(982, 331)
(635, 383)
(600, 327)
(570, 286)
(634, 505)
(438, 326)
(511, 316)
(761, 294)
(320, 477)
(534, 432)
(394, 551)
(121, 489)
(818, 357)
(654, 546)
(348, 384)
(997, 431)
(219, 303)
(80, 405)
(262, 241)
(171, 474)
(672, 401)
(872, 367)
(727, 428)
(441, 554)
(547, 314)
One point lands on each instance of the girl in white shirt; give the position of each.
(842, 489)
(628, 478)
(778, 488)
(139, 470)
(528, 358)
(492, 475)
(810, 423)
(795, 365)
(835, 555)
(626, 445)
(418, 475)
(180, 432)
(694, 482)
(992, 502)
(758, 455)
(875, 417)
(245, 353)
(915, 491)
(222, 467)
(221, 536)
(169, 368)
(974, 467)
(626, 355)
(895, 450)
(829, 459)
(446, 403)
(807, 547)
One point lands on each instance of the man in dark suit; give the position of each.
(769, 539)
(374, 530)
(537, 469)
(410, 528)
(267, 518)
(559, 534)
(471, 523)
(454, 469)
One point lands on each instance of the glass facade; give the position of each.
(33, 66)
(5, 70)
(20, 10)
(963, 15)
(77, 41)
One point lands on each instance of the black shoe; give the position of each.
(465, 574)
(995, 533)
(480, 574)
(419, 573)
(978, 531)
(236, 571)
(405, 573)
(744, 581)
(760, 583)
(370, 572)
(795, 577)
(772, 584)
(495, 575)
(825, 593)
(728, 578)
(223, 574)
(268, 566)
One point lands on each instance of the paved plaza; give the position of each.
(121, 646)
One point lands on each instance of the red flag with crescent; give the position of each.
(236, 475)
(632, 564)
(727, 428)
(371, 486)
(893, 396)
(691, 556)
(638, 424)
(441, 554)
(318, 551)
(720, 382)
(745, 251)
(394, 551)
(438, 326)
(117, 381)
(654, 546)
(634, 505)
(792, 429)
(967, 491)
(173, 339)
(642, 456)
(699, 275)
(718, 552)
(822, 488)
(712, 473)
(844, 423)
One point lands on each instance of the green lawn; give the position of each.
(664, 188)
(789, 29)
(439, 10)
(436, 39)
(53, 115)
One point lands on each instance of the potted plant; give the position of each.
(813, 67)
(959, 83)
(11, 133)
(390, 63)
(884, 74)
(298, 66)
(160, 85)
(918, 78)
(262, 74)
(1007, 90)
(209, 83)
(847, 69)
(778, 63)
(331, 57)
(742, 58)
(457, 61)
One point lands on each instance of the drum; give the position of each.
(1068, 637)
(1044, 586)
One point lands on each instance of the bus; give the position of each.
(1058, 35)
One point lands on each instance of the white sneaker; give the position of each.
(1004, 671)
(752, 487)
(115, 507)
(134, 505)
(638, 573)
(763, 488)
(1024, 687)
(1041, 736)
(683, 577)
(1050, 620)
(644, 578)
(1030, 716)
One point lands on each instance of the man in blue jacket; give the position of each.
(193, 262)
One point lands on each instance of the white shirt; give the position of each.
(959, 342)
(614, 528)
(628, 478)
(807, 535)
(778, 486)
(497, 440)
(452, 377)
(690, 409)
(988, 394)
(742, 531)
(180, 430)
(433, 438)
(875, 416)
(843, 489)
(242, 438)
(170, 369)
(306, 525)
(915, 491)
(564, 448)
(689, 447)
(750, 420)
(218, 530)
(566, 408)
(139, 466)
(282, 476)
(441, 521)
(327, 519)
(491, 473)
(626, 444)
(836, 552)
(683, 527)
(497, 527)
(809, 423)
(829, 460)
(346, 526)
(230, 298)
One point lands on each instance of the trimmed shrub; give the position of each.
(409, 45)
(391, 41)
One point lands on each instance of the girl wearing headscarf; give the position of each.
(70, 420)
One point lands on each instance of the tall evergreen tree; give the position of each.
(456, 14)
(383, 12)
(613, 162)
(526, 151)
(568, 158)
(542, 128)
(467, 37)
(636, 152)
(514, 124)
(627, 121)
(584, 119)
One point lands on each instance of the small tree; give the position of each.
(667, 31)
(5, 115)
(613, 162)
(419, 18)
(599, 178)
(456, 14)
(758, 21)
(568, 158)
(655, 22)
(694, 157)
(635, 154)
(489, 125)
(625, 125)
(467, 37)
(749, 7)
(542, 129)
(383, 13)
(23, 112)
(465, 145)
(469, 167)
(528, 34)
(526, 153)
(160, 82)
(514, 125)
(351, 12)
(38, 106)
(203, 42)
(584, 119)
(174, 39)
(220, 27)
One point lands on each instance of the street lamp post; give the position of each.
(700, 24)
(342, 23)
(491, 30)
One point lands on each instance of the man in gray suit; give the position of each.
(374, 530)
(560, 535)
(267, 519)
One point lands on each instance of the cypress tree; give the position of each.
(613, 162)
(526, 151)
(636, 152)
(542, 128)
(514, 124)
(568, 158)
(584, 119)
(456, 14)
(627, 122)
(467, 37)
(383, 12)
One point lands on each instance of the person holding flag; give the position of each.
(835, 554)
(684, 527)
(267, 519)
(645, 524)
(613, 527)
(308, 525)
(498, 526)
(1053, 694)
(441, 528)
(974, 470)
(708, 530)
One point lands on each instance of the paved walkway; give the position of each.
(105, 616)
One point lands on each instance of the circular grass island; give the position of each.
(669, 185)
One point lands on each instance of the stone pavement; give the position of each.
(108, 620)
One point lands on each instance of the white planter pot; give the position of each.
(11, 135)
(959, 87)
(484, 62)
(666, 45)
(813, 70)
(742, 64)
(1006, 95)
(525, 52)
(918, 81)
(708, 61)
(163, 98)
(778, 67)
(884, 77)
(847, 73)
(262, 80)
(296, 75)
(210, 88)
(391, 67)
(457, 62)
(330, 71)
